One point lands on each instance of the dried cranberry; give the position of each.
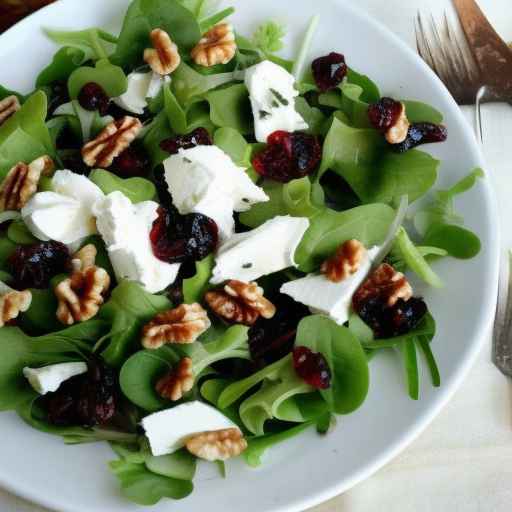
(33, 266)
(387, 322)
(86, 400)
(384, 114)
(270, 340)
(421, 133)
(117, 113)
(199, 137)
(162, 188)
(132, 162)
(93, 97)
(312, 367)
(288, 156)
(177, 238)
(329, 71)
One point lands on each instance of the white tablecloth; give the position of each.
(463, 461)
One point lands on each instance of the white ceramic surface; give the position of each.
(309, 469)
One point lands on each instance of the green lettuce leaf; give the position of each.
(111, 79)
(195, 287)
(230, 108)
(136, 189)
(90, 41)
(233, 143)
(64, 62)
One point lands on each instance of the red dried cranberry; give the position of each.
(384, 114)
(162, 188)
(33, 266)
(329, 71)
(388, 322)
(93, 97)
(288, 156)
(270, 340)
(312, 367)
(199, 137)
(421, 133)
(178, 238)
(132, 162)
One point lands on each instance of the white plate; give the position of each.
(309, 469)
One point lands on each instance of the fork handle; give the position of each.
(492, 54)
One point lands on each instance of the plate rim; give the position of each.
(489, 299)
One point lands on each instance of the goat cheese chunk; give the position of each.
(126, 229)
(267, 249)
(272, 93)
(325, 297)
(205, 180)
(168, 430)
(49, 378)
(64, 214)
(141, 86)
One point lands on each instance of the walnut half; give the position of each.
(345, 262)
(164, 57)
(81, 295)
(217, 444)
(177, 382)
(217, 46)
(21, 182)
(8, 107)
(111, 142)
(84, 258)
(241, 303)
(181, 325)
(12, 303)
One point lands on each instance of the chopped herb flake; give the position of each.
(247, 265)
(264, 114)
(280, 98)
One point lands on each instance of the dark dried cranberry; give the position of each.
(93, 97)
(117, 113)
(288, 156)
(329, 71)
(61, 405)
(384, 114)
(132, 162)
(73, 161)
(312, 367)
(177, 238)
(387, 322)
(33, 266)
(58, 95)
(199, 137)
(270, 340)
(421, 133)
(162, 188)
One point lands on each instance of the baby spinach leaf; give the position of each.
(345, 357)
(180, 465)
(418, 112)
(146, 488)
(328, 229)
(424, 344)
(128, 309)
(313, 116)
(347, 98)
(4, 92)
(175, 114)
(457, 241)
(136, 189)
(111, 78)
(90, 41)
(18, 146)
(234, 144)
(157, 132)
(64, 62)
(41, 318)
(145, 15)
(19, 233)
(371, 93)
(7, 247)
(211, 391)
(230, 108)
(408, 350)
(198, 116)
(195, 287)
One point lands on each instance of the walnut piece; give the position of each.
(241, 303)
(217, 46)
(385, 283)
(345, 262)
(217, 444)
(84, 258)
(177, 382)
(398, 132)
(81, 295)
(181, 325)
(164, 57)
(8, 107)
(21, 182)
(12, 303)
(111, 142)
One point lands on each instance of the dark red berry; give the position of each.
(132, 162)
(179, 238)
(162, 188)
(93, 97)
(329, 71)
(421, 133)
(270, 340)
(288, 156)
(199, 137)
(33, 266)
(312, 367)
(384, 114)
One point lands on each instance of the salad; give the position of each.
(203, 244)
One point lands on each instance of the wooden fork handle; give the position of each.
(492, 54)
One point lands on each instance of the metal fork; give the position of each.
(476, 66)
